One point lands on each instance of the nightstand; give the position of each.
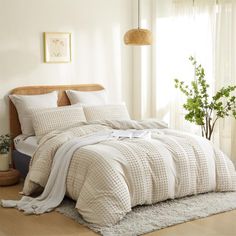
(10, 177)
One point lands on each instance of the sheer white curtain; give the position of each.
(225, 69)
(185, 29)
(205, 29)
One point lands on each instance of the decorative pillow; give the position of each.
(106, 112)
(24, 103)
(47, 120)
(90, 98)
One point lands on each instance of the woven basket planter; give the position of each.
(9, 177)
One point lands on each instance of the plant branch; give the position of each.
(200, 109)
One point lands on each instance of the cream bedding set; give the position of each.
(108, 178)
(110, 166)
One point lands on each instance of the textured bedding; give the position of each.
(107, 179)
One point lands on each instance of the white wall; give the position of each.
(98, 52)
(142, 65)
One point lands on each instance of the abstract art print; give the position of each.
(57, 47)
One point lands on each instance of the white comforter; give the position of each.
(109, 178)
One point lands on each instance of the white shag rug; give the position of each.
(144, 219)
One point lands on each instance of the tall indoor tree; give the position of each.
(202, 109)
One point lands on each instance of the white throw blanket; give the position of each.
(55, 189)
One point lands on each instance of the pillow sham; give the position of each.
(47, 120)
(90, 98)
(24, 103)
(106, 112)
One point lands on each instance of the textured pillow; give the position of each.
(90, 98)
(47, 120)
(24, 103)
(106, 112)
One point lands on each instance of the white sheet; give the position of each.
(26, 145)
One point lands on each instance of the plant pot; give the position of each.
(4, 162)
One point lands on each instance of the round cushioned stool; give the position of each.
(10, 177)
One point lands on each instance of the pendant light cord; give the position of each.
(138, 14)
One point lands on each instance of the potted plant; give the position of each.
(201, 109)
(5, 143)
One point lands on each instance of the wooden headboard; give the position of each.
(63, 100)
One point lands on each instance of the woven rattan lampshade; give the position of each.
(138, 36)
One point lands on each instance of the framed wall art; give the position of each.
(57, 47)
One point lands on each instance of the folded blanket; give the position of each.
(131, 134)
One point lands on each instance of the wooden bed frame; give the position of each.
(63, 100)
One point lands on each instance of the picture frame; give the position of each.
(57, 47)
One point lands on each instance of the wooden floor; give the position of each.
(14, 223)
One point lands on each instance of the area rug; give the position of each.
(144, 219)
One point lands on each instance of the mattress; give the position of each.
(26, 145)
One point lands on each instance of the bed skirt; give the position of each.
(21, 162)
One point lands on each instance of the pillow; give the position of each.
(106, 112)
(91, 98)
(47, 120)
(24, 103)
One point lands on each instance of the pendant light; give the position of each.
(138, 36)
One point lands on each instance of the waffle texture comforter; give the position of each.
(108, 178)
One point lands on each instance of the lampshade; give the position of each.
(138, 37)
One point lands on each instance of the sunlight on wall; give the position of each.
(145, 76)
(145, 80)
(116, 35)
(142, 79)
(98, 55)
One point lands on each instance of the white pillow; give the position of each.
(47, 120)
(24, 103)
(90, 98)
(106, 112)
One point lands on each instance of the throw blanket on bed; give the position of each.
(108, 178)
(55, 189)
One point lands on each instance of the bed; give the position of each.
(110, 166)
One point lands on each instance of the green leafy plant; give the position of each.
(201, 109)
(5, 143)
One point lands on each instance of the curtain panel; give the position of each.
(205, 29)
